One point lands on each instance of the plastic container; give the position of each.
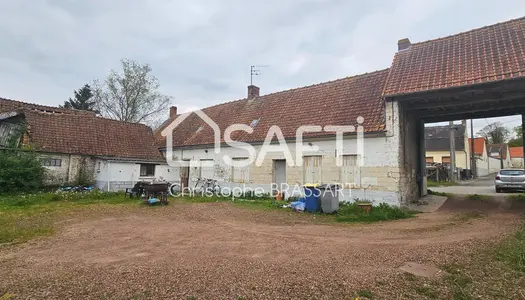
(329, 198)
(312, 202)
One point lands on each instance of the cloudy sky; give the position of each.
(201, 51)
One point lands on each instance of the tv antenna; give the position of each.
(255, 71)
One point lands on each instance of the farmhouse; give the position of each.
(453, 78)
(77, 147)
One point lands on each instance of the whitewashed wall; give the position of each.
(517, 162)
(121, 175)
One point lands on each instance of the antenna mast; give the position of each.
(254, 71)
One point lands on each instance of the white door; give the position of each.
(279, 173)
(350, 171)
(312, 169)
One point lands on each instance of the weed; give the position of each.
(431, 192)
(518, 198)
(477, 197)
(467, 216)
(512, 251)
(383, 212)
(365, 293)
(432, 183)
(410, 277)
(426, 291)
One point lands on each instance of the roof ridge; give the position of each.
(86, 112)
(298, 88)
(94, 116)
(330, 81)
(469, 31)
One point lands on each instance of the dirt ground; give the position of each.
(220, 251)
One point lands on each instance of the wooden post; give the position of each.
(452, 152)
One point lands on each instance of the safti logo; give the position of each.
(274, 133)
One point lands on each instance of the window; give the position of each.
(445, 159)
(147, 170)
(429, 160)
(52, 162)
(254, 123)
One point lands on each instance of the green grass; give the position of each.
(354, 213)
(432, 183)
(27, 216)
(431, 192)
(365, 293)
(512, 251)
(477, 197)
(517, 198)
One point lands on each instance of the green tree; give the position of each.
(495, 133)
(131, 95)
(518, 140)
(82, 101)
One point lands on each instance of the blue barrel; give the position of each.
(313, 202)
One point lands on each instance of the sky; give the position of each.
(201, 50)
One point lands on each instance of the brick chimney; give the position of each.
(173, 111)
(403, 44)
(253, 91)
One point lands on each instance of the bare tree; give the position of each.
(131, 95)
(495, 133)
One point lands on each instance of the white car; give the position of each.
(510, 179)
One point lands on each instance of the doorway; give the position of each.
(279, 173)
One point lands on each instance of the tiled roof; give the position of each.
(76, 132)
(481, 55)
(437, 138)
(479, 144)
(338, 102)
(516, 152)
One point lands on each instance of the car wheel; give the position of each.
(498, 190)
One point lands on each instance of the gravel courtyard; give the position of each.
(221, 251)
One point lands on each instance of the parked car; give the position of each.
(510, 179)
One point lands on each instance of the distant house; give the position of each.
(77, 147)
(516, 157)
(437, 145)
(501, 153)
(481, 155)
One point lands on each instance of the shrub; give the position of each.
(20, 170)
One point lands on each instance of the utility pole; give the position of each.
(472, 151)
(452, 152)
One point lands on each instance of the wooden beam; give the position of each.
(467, 102)
(479, 115)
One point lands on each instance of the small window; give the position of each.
(52, 162)
(445, 160)
(429, 160)
(254, 123)
(147, 170)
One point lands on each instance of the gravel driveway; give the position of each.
(220, 251)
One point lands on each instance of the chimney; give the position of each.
(403, 44)
(173, 111)
(253, 91)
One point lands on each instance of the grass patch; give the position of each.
(365, 293)
(431, 192)
(426, 291)
(432, 183)
(27, 216)
(512, 251)
(353, 213)
(518, 198)
(477, 197)
(467, 216)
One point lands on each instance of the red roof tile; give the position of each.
(516, 152)
(479, 144)
(58, 130)
(482, 55)
(337, 102)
